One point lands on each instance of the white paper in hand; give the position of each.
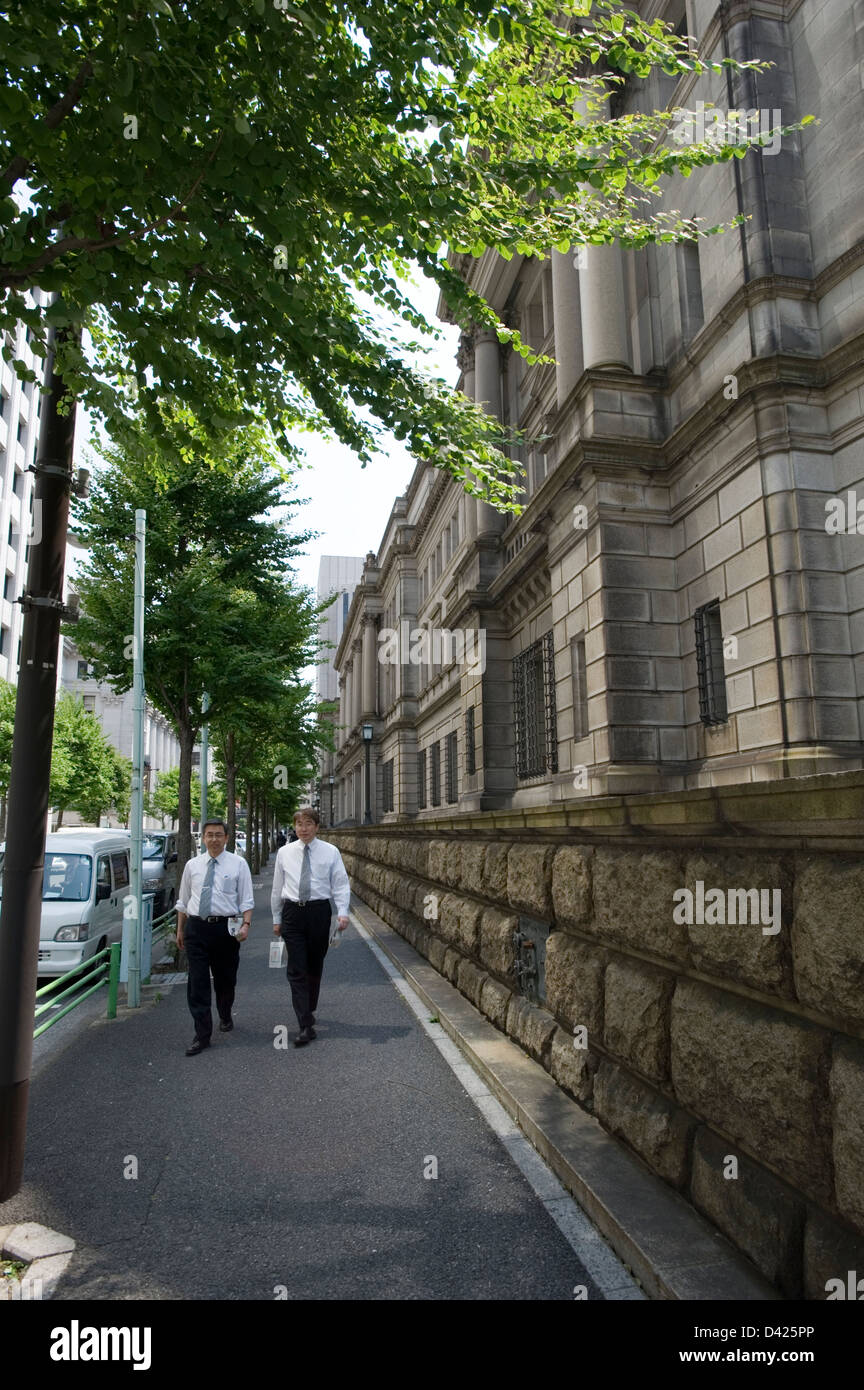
(335, 934)
(277, 953)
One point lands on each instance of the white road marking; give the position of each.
(601, 1262)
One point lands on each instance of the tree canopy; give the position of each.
(226, 195)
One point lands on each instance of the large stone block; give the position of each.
(448, 917)
(495, 871)
(572, 1067)
(453, 863)
(571, 886)
(757, 1074)
(531, 1027)
(472, 867)
(421, 865)
(437, 860)
(494, 1002)
(529, 879)
(847, 1103)
(574, 983)
(652, 1125)
(436, 949)
(758, 1212)
(497, 951)
(470, 980)
(831, 1251)
(469, 915)
(633, 901)
(828, 935)
(637, 1000)
(744, 952)
(450, 966)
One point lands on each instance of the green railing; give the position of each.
(100, 970)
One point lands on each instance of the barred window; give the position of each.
(421, 780)
(470, 747)
(709, 664)
(452, 769)
(435, 768)
(534, 699)
(387, 787)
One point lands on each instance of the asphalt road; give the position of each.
(267, 1172)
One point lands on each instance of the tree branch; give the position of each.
(17, 167)
(60, 248)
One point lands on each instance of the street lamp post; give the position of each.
(332, 780)
(367, 739)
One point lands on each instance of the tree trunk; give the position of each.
(230, 792)
(249, 824)
(256, 824)
(186, 737)
(265, 831)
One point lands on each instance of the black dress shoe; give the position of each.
(304, 1036)
(225, 1026)
(198, 1046)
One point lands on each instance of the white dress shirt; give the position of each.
(328, 876)
(231, 888)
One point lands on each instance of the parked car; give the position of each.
(159, 869)
(84, 883)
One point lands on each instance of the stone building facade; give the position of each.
(681, 602)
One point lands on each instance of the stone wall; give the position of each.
(704, 1044)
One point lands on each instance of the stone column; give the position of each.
(487, 353)
(465, 363)
(348, 713)
(605, 338)
(370, 653)
(357, 684)
(568, 321)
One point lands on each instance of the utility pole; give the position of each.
(21, 913)
(205, 750)
(132, 922)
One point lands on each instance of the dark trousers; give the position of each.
(210, 946)
(306, 933)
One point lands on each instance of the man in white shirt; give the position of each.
(308, 873)
(215, 886)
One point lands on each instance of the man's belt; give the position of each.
(306, 902)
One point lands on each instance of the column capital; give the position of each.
(465, 353)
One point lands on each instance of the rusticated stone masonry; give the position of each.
(730, 1060)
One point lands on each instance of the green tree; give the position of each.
(227, 196)
(222, 613)
(7, 728)
(83, 763)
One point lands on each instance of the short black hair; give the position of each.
(215, 821)
(307, 811)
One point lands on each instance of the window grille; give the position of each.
(452, 769)
(470, 746)
(709, 664)
(387, 787)
(435, 770)
(534, 698)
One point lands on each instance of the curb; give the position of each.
(46, 1254)
(673, 1251)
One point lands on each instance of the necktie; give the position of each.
(305, 876)
(207, 890)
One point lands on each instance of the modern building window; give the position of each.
(470, 746)
(709, 664)
(580, 688)
(387, 786)
(421, 780)
(7, 585)
(534, 699)
(4, 640)
(435, 774)
(17, 482)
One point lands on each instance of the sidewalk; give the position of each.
(262, 1168)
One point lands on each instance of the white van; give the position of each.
(84, 883)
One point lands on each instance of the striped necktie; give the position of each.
(305, 876)
(207, 890)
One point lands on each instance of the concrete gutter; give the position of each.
(672, 1250)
